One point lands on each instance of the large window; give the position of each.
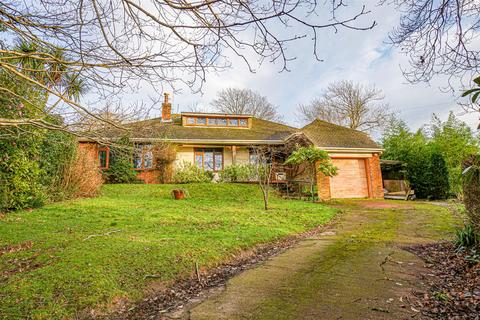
(209, 159)
(103, 157)
(143, 156)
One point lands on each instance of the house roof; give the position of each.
(262, 131)
(328, 135)
(321, 133)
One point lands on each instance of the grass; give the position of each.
(51, 269)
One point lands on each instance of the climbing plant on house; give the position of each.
(316, 161)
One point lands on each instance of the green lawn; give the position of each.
(59, 273)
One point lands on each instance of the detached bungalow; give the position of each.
(213, 141)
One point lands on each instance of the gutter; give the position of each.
(201, 141)
(352, 150)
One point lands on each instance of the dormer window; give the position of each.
(215, 120)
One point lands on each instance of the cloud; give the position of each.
(362, 56)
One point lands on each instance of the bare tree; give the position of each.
(440, 38)
(349, 104)
(117, 46)
(245, 101)
(264, 165)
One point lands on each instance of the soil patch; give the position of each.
(453, 281)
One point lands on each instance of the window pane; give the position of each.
(190, 120)
(221, 121)
(102, 158)
(218, 161)
(253, 158)
(233, 122)
(243, 122)
(199, 160)
(212, 121)
(202, 121)
(208, 161)
(148, 159)
(137, 156)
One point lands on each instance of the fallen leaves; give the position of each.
(453, 281)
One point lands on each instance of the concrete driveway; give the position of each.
(356, 270)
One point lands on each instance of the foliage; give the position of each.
(238, 173)
(455, 141)
(467, 237)
(426, 168)
(33, 158)
(316, 160)
(471, 190)
(208, 227)
(474, 93)
(20, 185)
(120, 168)
(188, 172)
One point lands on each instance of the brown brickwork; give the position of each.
(323, 186)
(375, 176)
(149, 176)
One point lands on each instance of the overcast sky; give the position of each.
(361, 56)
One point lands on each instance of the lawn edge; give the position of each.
(176, 294)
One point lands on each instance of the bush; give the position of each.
(81, 178)
(20, 186)
(57, 151)
(238, 173)
(467, 237)
(190, 173)
(120, 171)
(426, 168)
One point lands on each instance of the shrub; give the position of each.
(20, 186)
(81, 178)
(426, 169)
(467, 237)
(190, 173)
(120, 171)
(238, 173)
(57, 151)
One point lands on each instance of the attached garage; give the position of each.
(356, 156)
(351, 180)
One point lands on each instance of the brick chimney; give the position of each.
(166, 109)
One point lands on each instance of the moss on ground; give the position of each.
(351, 275)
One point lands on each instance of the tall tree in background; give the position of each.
(455, 140)
(426, 167)
(116, 46)
(349, 104)
(245, 101)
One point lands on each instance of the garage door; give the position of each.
(351, 180)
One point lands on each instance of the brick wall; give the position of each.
(323, 186)
(149, 176)
(375, 176)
